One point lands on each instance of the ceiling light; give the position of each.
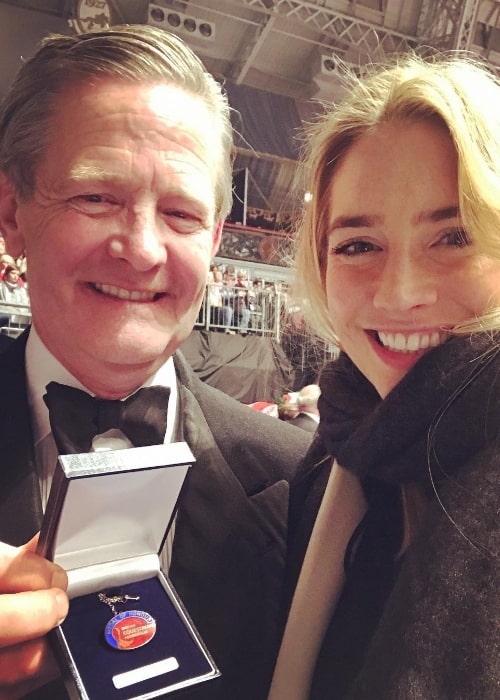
(189, 24)
(194, 27)
(205, 29)
(329, 64)
(173, 19)
(157, 14)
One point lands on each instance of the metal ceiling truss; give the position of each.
(448, 24)
(351, 31)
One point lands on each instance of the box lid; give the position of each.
(105, 507)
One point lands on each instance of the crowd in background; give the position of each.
(14, 297)
(235, 303)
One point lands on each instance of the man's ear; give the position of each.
(217, 237)
(8, 217)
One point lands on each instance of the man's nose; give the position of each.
(140, 242)
(404, 283)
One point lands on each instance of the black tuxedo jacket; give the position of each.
(231, 530)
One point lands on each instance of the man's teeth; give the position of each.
(400, 342)
(125, 293)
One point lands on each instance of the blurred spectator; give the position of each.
(241, 303)
(11, 292)
(287, 406)
(227, 292)
(221, 315)
(22, 266)
(5, 260)
(306, 403)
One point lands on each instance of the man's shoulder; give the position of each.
(12, 354)
(222, 405)
(245, 436)
(13, 379)
(5, 342)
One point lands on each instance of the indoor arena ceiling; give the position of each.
(292, 48)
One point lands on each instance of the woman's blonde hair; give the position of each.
(456, 91)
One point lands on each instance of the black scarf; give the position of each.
(440, 413)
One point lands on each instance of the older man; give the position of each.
(115, 179)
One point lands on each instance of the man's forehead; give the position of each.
(117, 99)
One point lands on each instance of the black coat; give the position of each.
(230, 542)
(436, 632)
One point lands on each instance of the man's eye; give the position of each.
(352, 248)
(94, 204)
(95, 198)
(184, 221)
(457, 238)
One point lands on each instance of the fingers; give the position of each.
(26, 667)
(31, 614)
(21, 569)
(32, 602)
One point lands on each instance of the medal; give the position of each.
(130, 629)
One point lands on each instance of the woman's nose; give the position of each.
(403, 284)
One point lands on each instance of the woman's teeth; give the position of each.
(412, 342)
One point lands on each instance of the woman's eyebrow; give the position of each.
(436, 215)
(360, 221)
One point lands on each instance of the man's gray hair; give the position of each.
(135, 53)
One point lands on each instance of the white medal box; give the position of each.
(107, 518)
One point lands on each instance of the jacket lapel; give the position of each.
(229, 553)
(20, 509)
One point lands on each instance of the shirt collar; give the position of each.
(42, 368)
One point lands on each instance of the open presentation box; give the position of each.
(106, 521)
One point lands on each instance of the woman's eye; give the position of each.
(352, 248)
(457, 238)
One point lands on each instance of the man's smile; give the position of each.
(126, 294)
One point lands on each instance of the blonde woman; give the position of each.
(394, 555)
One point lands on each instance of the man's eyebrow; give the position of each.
(434, 216)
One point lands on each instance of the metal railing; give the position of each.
(271, 315)
(14, 318)
(239, 310)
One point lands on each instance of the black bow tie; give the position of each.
(76, 417)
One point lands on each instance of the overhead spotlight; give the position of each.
(329, 64)
(178, 22)
(157, 14)
(205, 29)
(189, 24)
(172, 18)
